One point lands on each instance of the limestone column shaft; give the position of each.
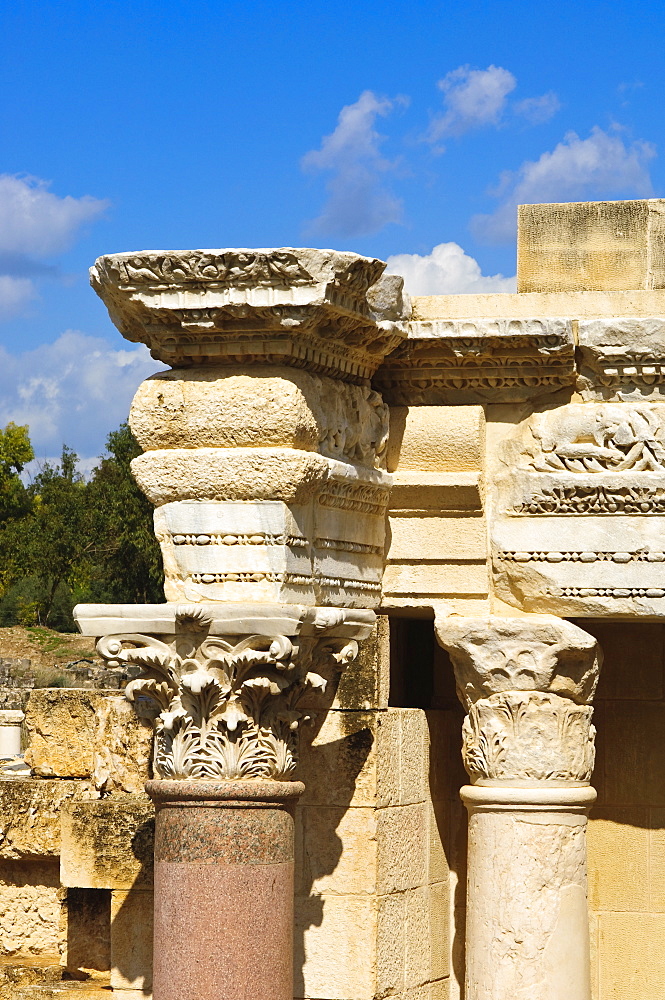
(528, 747)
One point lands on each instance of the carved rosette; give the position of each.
(526, 683)
(225, 707)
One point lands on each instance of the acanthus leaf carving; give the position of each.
(225, 708)
(528, 735)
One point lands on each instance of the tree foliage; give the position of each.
(65, 539)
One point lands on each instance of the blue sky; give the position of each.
(383, 128)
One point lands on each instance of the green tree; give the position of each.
(55, 539)
(128, 565)
(15, 453)
(74, 541)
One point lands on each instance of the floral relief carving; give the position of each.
(224, 708)
(526, 683)
(591, 499)
(234, 268)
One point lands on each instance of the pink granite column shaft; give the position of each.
(223, 889)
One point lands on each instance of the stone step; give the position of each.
(35, 970)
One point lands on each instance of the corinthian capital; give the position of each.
(526, 683)
(225, 703)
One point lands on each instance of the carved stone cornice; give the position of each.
(526, 683)
(445, 362)
(322, 310)
(229, 706)
(622, 358)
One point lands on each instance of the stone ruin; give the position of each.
(389, 528)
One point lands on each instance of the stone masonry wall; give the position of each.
(627, 826)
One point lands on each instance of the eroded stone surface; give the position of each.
(29, 908)
(533, 653)
(527, 924)
(107, 844)
(30, 814)
(448, 361)
(307, 308)
(580, 511)
(86, 734)
(266, 407)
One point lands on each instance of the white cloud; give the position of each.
(601, 166)
(36, 222)
(537, 110)
(473, 98)
(15, 293)
(74, 391)
(359, 202)
(446, 271)
(478, 98)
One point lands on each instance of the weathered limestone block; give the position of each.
(364, 684)
(262, 406)
(30, 901)
(437, 528)
(622, 358)
(107, 844)
(450, 362)
(580, 511)
(30, 810)
(579, 246)
(72, 990)
(323, 544)
(131, 940)
(38, 971)
(372, 890)
(87, 734)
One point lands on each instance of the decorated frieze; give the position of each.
(580, 511)
(478, 360)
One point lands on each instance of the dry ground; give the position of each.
(44, 647)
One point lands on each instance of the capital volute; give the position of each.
(227, 688)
